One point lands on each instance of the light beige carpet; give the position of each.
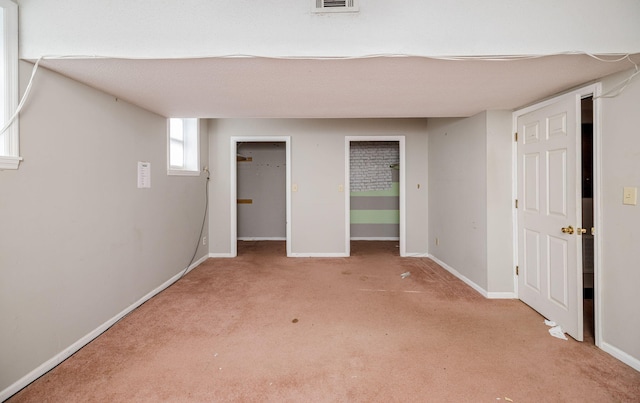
(266, 328)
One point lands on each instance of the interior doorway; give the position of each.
(375, 193)
(260, 191)
(261, 186)
(588, 258)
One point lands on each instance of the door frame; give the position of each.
(347, 188)
(233, 181)
(595, 91)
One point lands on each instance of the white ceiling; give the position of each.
(251, 87)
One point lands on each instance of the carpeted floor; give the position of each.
(263, 327)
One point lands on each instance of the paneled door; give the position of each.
(549, 212)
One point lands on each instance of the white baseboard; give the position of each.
(460, 276)
(485, 293)
(194, 265)
(415, 254)
(365, 238)
(501, 295)
(229, 255)
(69, 351)
(261, 238)
(318, 255)
(621, 355)
(221, 255)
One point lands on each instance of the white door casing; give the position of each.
(548, 191)
(233, 191)
(347, 188)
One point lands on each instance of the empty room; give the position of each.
(319, 201)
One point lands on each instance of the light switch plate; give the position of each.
(630, 196)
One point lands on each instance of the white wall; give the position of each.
(79, 243)
(458, 195)
(165, 28)
(470, 198)
(318, 169)
(620, 231)
(499, 151)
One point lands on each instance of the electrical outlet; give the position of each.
(630, 196)
(204, 240)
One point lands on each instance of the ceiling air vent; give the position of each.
(335, 6)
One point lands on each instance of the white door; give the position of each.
(549, 244)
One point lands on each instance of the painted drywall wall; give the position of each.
(276, 28)
(500, 270)
(262, 180)
(458, 195)
(79, 242)
(620, 232)
(470, 188)
(318, 169)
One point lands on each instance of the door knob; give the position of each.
(567, 230)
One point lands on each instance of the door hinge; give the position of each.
(515, 137)
(516, 203)
(517, 270)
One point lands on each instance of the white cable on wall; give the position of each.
(25, 96)
(621, 86)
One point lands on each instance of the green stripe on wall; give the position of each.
(393, 191)
(375, 203)
(375, 216)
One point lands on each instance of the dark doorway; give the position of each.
(588, 282)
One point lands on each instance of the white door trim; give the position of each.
(347, 188)
(590, 90)
(598, 221)
(234, 185)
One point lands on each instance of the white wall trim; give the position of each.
(514, 196)
(578, 92)
(11, 93)
(261, 238)
(195, 264)
(319, 255)
(221, 255)
(619, 354)
(9, 162)
(83, 341)
(460, 276)
(233, 180)
(182, 172)
(347, 188)
(598, 221)
(502, 295)
(347, 196)
(416, 254)
(373, 238)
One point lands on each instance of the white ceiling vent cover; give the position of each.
(335, 6)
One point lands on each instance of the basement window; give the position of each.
(9, 150)
(183, 146)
